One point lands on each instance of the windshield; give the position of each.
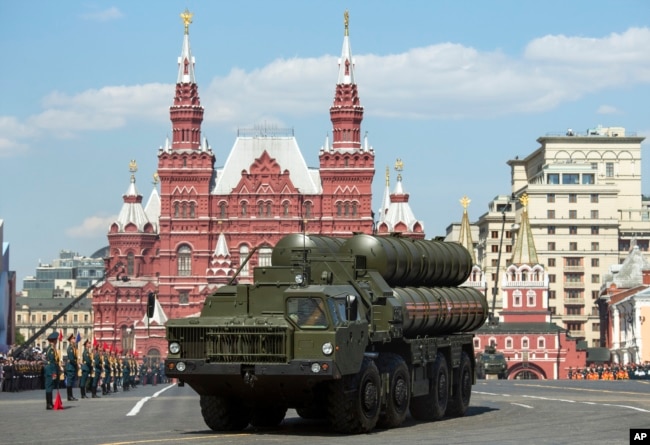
(307, 312)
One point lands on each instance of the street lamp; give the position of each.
(493, 320)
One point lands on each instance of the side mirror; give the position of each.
(351, 307)
(151, 304)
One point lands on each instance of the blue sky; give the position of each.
(453, 88)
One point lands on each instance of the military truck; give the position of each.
(491, 363)
(358, 331)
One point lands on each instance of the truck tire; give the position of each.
(461, 388)
(353, 403)
(433, 405)
(399, 390)
(268, 415)
(223, 414)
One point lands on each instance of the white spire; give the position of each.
(346, 63)
(186, 60)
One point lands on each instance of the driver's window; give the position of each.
(307, 312)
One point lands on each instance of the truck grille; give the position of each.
(232, 344)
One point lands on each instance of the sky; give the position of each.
(453, 88)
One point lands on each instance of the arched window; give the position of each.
(541, 343)
(268, 209)
(260, 209)
(509, 343)
(516, 298)
(264, 257)
(308, 210)
(243, 253)
(339, 209)
(244, 210)
(347, 209)
(176, 209)
(192, 210)
(184, 210)
(130, 263)
(184, 261)
(524, 343)
(531, 299)
(222, 210)
(354, 209)
(285, 208)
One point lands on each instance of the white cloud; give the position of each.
(92, 226)
(607, 109)
(105, 15)
(444, 81)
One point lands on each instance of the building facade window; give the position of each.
(551, 245)
(551, 278)
(222, 210)
(130, 263)
(243, 254)
(573, 245)
(184, 297)
(494, 234)
(573, 230)
(550, 214)
(551, 262)
(264, 256)
(524, 343)
(609, 169)
(508, 342)
(588, 178)
(595, 246)
(184, 261)
(595, 230)
(541, 343)
(594, 198)
(550, 230)
(516, 298)
(573, 214)
(531, 298)
(595, 278)
(553, 178)
(573, 198)
(595, 262)
(550, 198)
(594, 214)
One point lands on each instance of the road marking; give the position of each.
(522, 405)
(551, 399)
(138, 406)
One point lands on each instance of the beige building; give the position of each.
(586, 213)
(32, 313)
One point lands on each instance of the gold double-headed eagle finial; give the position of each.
(133, 166)
(523, 199)
(187, 19)
(464, 201)
(346, 22)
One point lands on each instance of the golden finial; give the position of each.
(133, 166)
(465, 202)
(523, 199)
(156, 178)
(399, 165)
(346, 22)
(187, 19)
(387, 176)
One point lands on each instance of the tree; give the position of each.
(20, 338)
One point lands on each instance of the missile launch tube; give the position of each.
(411, 262)
(283, 250)
(442, 310)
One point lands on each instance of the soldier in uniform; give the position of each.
(51, 369)
(71, 367)
(126, 372)
(97, 372)
(86, 368)
(106, 377)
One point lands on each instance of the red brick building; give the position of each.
(534, 346)
(191, 238)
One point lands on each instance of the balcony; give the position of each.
(575, 317)
(572, 285)
(575, 301)
(574, 269)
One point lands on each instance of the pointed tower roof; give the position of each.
(385, 200)
(346, 113)
(152, 209)
(186, 60)
(132, 211)
(186, 113)
(399, 216)
(465, 237)
(220, 269)
(525, 252)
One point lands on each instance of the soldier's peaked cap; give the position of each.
(53, 336)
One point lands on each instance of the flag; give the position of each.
(60, 334)
(95, 342)
(104, 347)
(78, 337)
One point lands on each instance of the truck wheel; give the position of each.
(461, 388)
(223, 414)
(433, 405)
(399, 390)
(268, 415)
(353, 405)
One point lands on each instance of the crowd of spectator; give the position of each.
(628, 371)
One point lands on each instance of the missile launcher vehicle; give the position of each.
(359, 331)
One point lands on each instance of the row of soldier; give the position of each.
(20, 374)
(97, 370)
(614, 372)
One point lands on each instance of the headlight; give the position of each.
(315, 368)
(180, 366)
(299, 279)
(174, 347)
(327, 348)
